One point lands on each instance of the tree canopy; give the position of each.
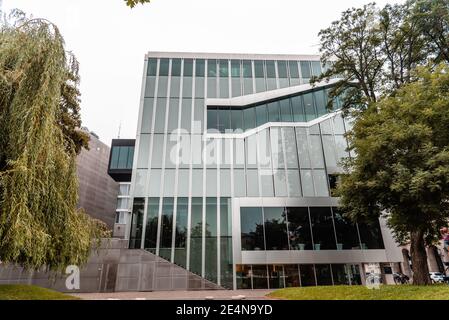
(133, 3)
(40, 225)
(374, 51)
(401, 170)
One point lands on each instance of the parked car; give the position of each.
(437, 277)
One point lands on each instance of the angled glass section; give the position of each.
(302, 107)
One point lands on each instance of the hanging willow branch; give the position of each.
(39, 223)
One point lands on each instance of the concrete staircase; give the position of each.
(115, 268)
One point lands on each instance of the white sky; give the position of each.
(110, 41)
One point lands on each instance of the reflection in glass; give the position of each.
(211, 239)
(181, 231)
(323, 228)
(371, 235)
(307, 272)
(151, 228)
(276, 276)
(347, 235)
(275, 229)
(166, 228)
(196, 232)
(251, 225)
(299, 228)
(135, 237)
(291, 276)
(323, 274)
(243, 275)
(260, 277)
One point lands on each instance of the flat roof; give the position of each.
(239, 56)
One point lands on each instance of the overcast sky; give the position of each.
(110, 41)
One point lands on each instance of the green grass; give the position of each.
(400, 292)
(24, 292)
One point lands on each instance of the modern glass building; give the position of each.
(235, 161)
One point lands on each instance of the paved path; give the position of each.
(177, 295)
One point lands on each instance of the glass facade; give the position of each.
(296, 275)
(243, 118)
(304, 228)
(194, 160)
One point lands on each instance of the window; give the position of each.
(307, 272)
(247, 69)
(320, 102)
(305, 70)
(271, 69)
(275, 229)
(274, 112)
(235, 68)
(308, 106)
(196, 236)
(120, 218)
(347, 235)
(147, 116)
(371, 235)
(144, 153)
(316, 68)
(212, 119)
(251, 226)
(323, 274)
(259, 69)
(293, 67)
(161, 106)
(188, 68)
(299, 229)
(286, 111)
(211, 68)
(223, 68)
(236, 119)
(124, 190)
(323, 228)
(211, 239)
(164, 66)
(199, 68)
(176, 68)
(282, 69)
(249, 118)
(122, 204)
(261, 115)
(181, 232)
(152, 222)
(152, 67)
(155, 182)
(136, 223)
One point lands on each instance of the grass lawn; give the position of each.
(24, 292)
(400, 292)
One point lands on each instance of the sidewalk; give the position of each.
(177, 295)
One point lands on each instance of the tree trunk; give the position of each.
(419, 259)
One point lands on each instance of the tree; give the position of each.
(374, 51)
(133, 3)
(401, 170)
(39, 223)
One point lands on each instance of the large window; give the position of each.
(137, 223)
(322, 228)
(152, 221)
(181, 231)
(299, 229)
(251, 224)
(304, 228)
(276, 228)
(122, 157)
(166, 228)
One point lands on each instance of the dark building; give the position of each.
(97, 190)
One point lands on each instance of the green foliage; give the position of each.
(39, 223)
(374, 51)
(402, 163)
(133, 3)
(403, 292)
(24, 292)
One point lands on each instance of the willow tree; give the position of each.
(40, 225)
